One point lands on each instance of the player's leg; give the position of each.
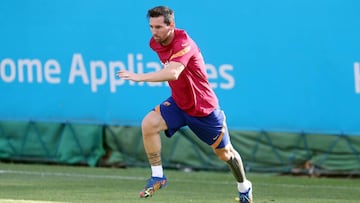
(233, 159)
(151, 126)
(229, 155)
(212, 130)
(165, 117)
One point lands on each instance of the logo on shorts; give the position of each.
(166, 103)
(216, 137)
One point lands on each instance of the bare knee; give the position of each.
(148, 125)
(225, 154)
(152, 123)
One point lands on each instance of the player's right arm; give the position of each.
(171, 71)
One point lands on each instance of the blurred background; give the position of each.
(287, 74)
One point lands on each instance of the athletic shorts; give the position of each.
(211, 129)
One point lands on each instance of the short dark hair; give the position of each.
(162, 11)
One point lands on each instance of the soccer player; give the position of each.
(192, 103)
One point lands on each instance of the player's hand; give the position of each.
(127, 75)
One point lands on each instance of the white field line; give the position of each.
(77, 175)
(74, 175)
(24, 201)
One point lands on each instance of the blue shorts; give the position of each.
(211, 129)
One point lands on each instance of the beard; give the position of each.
(162, 41)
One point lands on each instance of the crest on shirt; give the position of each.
(166, 103)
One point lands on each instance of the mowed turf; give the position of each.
(27, 183)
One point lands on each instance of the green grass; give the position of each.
(85, 184)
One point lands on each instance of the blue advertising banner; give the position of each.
(275, 65)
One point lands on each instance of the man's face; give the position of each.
(160, 31)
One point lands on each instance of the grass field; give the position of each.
(27, 183)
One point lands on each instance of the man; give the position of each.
(192, 102)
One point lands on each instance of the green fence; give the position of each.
(101, 145)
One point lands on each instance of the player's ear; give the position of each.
(172, 24)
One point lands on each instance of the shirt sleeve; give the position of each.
(182, 51)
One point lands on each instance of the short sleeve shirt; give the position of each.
(191, 91)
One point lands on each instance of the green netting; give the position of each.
(51, 142)
(123, 146)
(285, 152)
(183, 150)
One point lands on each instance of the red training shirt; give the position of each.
(191, 91)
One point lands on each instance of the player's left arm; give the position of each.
(171, 71)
